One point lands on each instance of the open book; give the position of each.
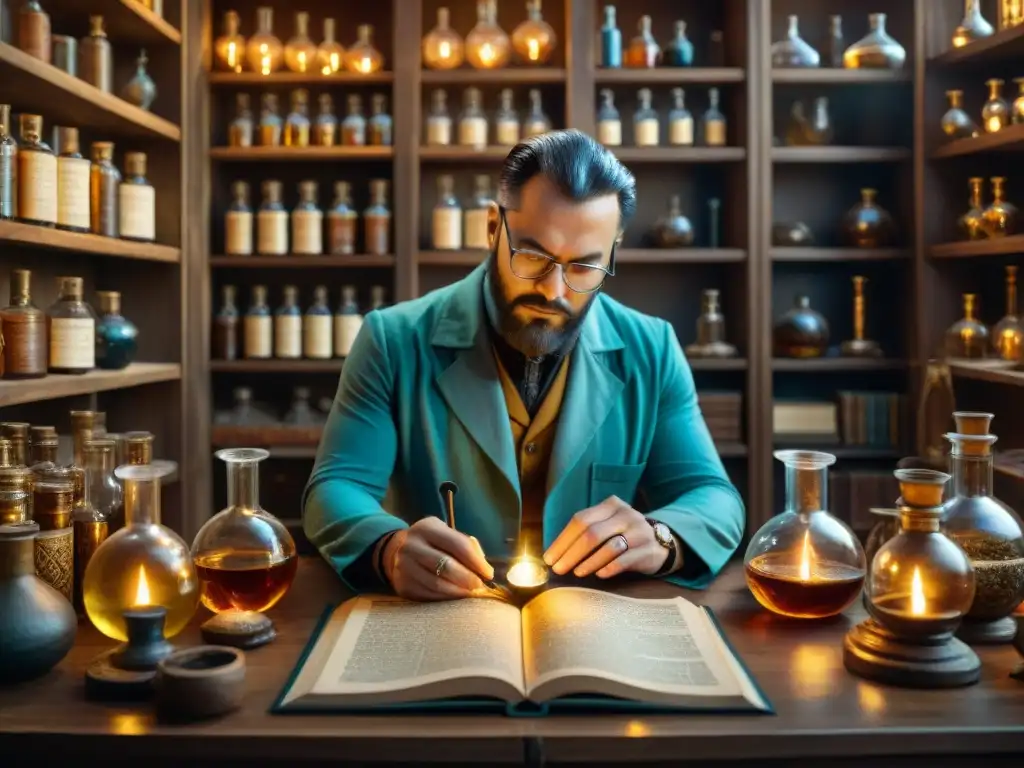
(567, 649)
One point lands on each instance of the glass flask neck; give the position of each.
(142, 502)
(243, 485)
(794, 27)
(1011, 291)
(975, 200)
(972, 475)
(919, 521)
(806, 489)
(968, 306)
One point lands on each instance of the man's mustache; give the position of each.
(533, 300)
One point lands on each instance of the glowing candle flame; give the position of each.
(302, 61)
(445, 51)
(917, 604)
(533, 52)
(486, 54)
(265, 59)
(142, 589)
(365, 65)
(233, 56)
(805, 558)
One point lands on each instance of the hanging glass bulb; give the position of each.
(330, 56)
(443, 47)
(362, 58)
(534, 39)
(264, 51)
(229, 49)
(487, 45)
(300, 52)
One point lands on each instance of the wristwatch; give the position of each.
(665, 538)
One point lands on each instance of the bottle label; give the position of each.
(37, 186)
(258, 335)
(535, 128)
(476, 228)
(288, 336)
(646, 133)
(240, 134)
(73, 192)
(507, 132)
(272, 232)
(316, 337)
(473, 132)
(609, 133)
(346, 328)
(308, 232)
(342, 234)
(238, 233)
(714, 133)
(447, 229)
(680, 132)
(73, 343)
(24, 350)
(439, 131)
(137, 205)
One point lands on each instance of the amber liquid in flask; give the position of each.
(244, 580)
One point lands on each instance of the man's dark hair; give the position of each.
(579, 167)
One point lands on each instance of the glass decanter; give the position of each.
(245, 557)
(643, 51)
(264, 51)
(793, 50)
(710, 330)
(487, 45)
(956, 123)
(876, 50)
(972, 27)
(300, 413)
(244, 413)
(300, 53)
(1008, 333)
(801, 332)
(1017, 111)
(1000, 217)
(986, 529)
(867, 224)
(673, 230)
(117, 338)
(143, 564)
(937, 402)
(362, 58)
(229, 48)
(972, 223)
(442, 47)
(995, 114)
(968, 336)
(537, 121)
(533, 39)
(330, 54)
(805, 563)
(679, 53)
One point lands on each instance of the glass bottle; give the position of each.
(258, 326)
(288, 326)
(330, 54)
(241, 128)
(868, 225)
(272, 222)
(23, 326)
(325, 129)
(353, 127)
(97, 513)
(225, 326)
(442, 47)
(229, 48)
(834, 44)
(801, 332)
(104, 190)
(679, 52)
(238, 222)
(534, 39)
(341, 222)
(143, 564)
(300, 413)
(995, 114)
(317, 343)
(968, 336)
(379, 126)
(96, 57)
(646, 127)
(476, 214)
(308, 222)
(972, 223)
(1017, 116)
(37, 175)
(72, 330)
(362, 58)
(34, 33)
(876, 50)
(609, 122)
(116, 336)
(439, 122)
(347, 322)
(446, 229)
(972, 27)
(955, 122)
(1008, 333)
(300, 53)
(141, 89)
(244, 413)
(611, 40)
(537, 122)
(72, 181)
(15, 436)
(506, 121)
(805, 563)
(1000, 217)
(8, 166)
(487, 45)
(377, 220)
(936, 403)
(643, 51)
(377, 297)
(710, 330)
(264, 51)
(297, 125)
(271, 126)
(673, 230)
(472, 121)
(713, 123)
(136, 201)
(792, 50)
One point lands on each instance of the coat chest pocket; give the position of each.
(615, 480)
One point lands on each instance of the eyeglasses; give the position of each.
(528, 264)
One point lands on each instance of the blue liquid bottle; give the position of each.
(611, 41)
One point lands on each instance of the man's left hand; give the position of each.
(607, 539)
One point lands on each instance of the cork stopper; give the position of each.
(320, 294)
(342, 192)
(138, 447)
(291, 294)
(483, 185)
(971, 445)
(228, 293)
(272, 191)
(70, 287)
(21, 282)
(355, 103)
(102, 151)
(82, 420)
(972, 422)
(31, 126)
(445, 186)
(240, 191)
(242, 394)
(110, 302)
(135, 163)
(921, 488)
(96, 27)
(268, 102)
(232, 22)
(242, 102)
(326, 103)
(379, 191)
(379, 103)
(67, 140)
(308, 191)
(300, 98)
(259, 294)
(348, 294)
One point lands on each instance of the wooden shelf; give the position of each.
(680, 154)
(302, 262)
(839, 364)
(61, 240)
(36, 87)
(840, 254)
(1010, 139)
(1002, 45)
(993, 371)
(680, 255)
(464, 154)
(298, 78)
(464, 258)
(670, 76)
(509, 76)
(840, 154)
(223, 436)
(299, 154)
(717, 363)
(276, 366)
(999, 246)
(15, 392)
(125, 21)
(823, 76)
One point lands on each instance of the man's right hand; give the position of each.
(412, 556)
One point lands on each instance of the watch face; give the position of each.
(663, 534)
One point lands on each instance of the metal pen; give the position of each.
(448, 489)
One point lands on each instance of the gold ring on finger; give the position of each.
(441, 563)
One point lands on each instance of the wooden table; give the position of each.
(823, 712)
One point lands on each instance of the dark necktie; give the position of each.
(531, 382)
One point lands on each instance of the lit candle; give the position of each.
(233, 56)
(265, 60)
(445, 52)
(142, 597)
(526, 573)
(302, 61)
(805, 558)
(533, 49)
(918, 607)
(486, 54)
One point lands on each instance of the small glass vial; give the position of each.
(995, 114)
(380, 123)
(238, 222)
(8, 166)
(472, 121)
(377, 220)
(439, 122)
(609, 124)
(353, 127)
(288, 326)
(611, 40)
(258, 325)
(377, 297)
(300, 51)
(308, 222)
(72, 325)
(446, 231)
(34, 33)
(24, 332)
(506, 121)
(225, 326)
(325, 130)
(136, 201)
(271, 126)
(241, 129)
(296, 126)
(646, 127)
(72, 182)
(714, 122)
(272, 222)
(37, 175)
(104, 182)
(317, 328)
(680, 121)
(341, 222)
(347, 322)
(95, 57)
(475, 215)
(537, 122)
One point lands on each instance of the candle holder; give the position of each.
(127, 672)
(858, 346)
(527, 576)
(920, 586)
(805, 563)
